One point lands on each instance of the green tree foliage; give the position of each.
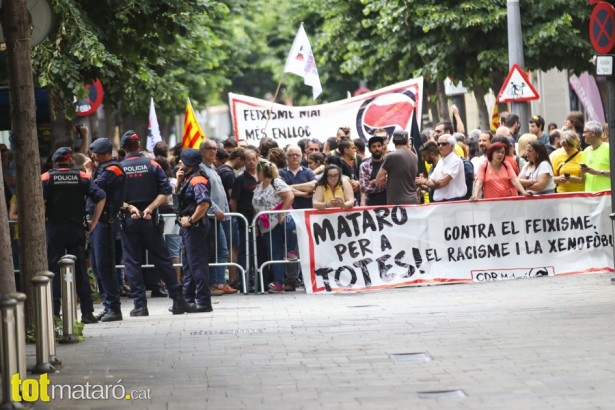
(388, 41)
(166, 49)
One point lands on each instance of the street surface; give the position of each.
(543, 343)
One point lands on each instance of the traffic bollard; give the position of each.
(8, 350)
(20, 332)
(42, 334)
(51, 327)
(74, 289)
(67, 270)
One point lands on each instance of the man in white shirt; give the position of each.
(448, 178)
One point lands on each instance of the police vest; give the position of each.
(141, 181)
(187, 206)
(65, 201)
(116, 196)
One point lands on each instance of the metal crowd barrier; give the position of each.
(242, 271)
(260, 268)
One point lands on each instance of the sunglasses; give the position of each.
(442, 144)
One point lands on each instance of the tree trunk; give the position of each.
(7, 276)
(33, 251)
(442, 103)
(484, 118)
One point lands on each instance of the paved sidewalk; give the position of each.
(543, 343)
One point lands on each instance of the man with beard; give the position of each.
(484, 141)
(373, 193)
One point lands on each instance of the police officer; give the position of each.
(194, 201)
(147, 187)
(110, 177)
(65, 190)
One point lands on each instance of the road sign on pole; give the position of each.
(517, 87)
(602, 28)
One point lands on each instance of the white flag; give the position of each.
(153, 130)
(301, 61)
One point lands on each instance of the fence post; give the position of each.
(67, 270)
(40, 283)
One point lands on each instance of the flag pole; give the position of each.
(275, 96)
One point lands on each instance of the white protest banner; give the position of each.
(381, 247)
(392, 107)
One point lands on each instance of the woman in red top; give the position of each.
(495, 178)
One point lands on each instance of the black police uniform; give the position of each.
(110, 177)
(65, 189)
(195, 254)
(145, 180)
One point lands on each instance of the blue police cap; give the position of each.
(129, 135)
(191, 157)
(101, 146)
(63, 154)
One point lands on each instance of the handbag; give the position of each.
(269, 221)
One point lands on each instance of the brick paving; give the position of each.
(543, 343)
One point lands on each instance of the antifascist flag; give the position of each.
(153, 130)
(193, 134)
(301, 61)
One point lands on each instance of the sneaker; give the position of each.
(276, 288)
(290, 287)
(88, 318)
(292, 256)
(142, 311)
(229, 290)
(111, 317)
(215, 291)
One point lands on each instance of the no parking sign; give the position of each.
(602, 27)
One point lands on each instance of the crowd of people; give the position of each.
(128, 189)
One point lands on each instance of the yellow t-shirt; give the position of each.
(572, 167)
(329, 194)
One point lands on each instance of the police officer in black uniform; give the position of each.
(110, 177)
(147, 187)
(65, 189)
(194, 201)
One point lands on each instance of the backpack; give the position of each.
(468, 170)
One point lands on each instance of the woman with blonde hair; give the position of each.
(522, 145)
(272, 193)
(567, 164)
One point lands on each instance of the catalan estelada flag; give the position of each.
(193, 134)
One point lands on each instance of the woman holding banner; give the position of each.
(495, 178)
(333, 190)
(277, 229)
(537, 174)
